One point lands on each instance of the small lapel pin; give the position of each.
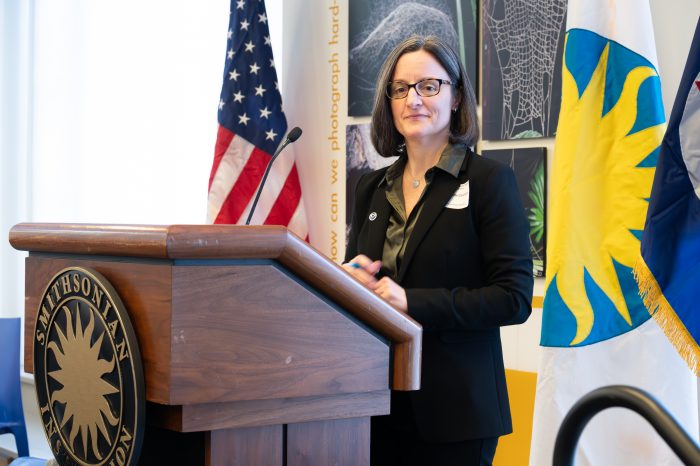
(372, 216)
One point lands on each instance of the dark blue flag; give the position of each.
(669, 272)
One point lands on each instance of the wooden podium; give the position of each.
(256, 349)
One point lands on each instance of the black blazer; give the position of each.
(466, 272)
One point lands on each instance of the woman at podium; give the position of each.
(441, 235)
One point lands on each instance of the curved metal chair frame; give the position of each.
(622, 396)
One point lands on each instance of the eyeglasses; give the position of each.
(424, 88)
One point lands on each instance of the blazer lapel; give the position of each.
(440, 191)
(377, 222)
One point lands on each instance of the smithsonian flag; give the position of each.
(669, 271)
(596, 330)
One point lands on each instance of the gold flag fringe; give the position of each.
(666, 317)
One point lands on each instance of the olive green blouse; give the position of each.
(399, 230)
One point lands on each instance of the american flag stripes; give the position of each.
(251, 127)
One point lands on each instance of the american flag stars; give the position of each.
(251, 127)
(250, 104)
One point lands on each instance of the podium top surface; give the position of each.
(154, 241)
(173, 242)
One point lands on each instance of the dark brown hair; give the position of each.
(464, 127)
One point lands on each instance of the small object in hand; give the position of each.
(355, 265)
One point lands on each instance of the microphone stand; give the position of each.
(291, 137)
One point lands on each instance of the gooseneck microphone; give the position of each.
(292, 136)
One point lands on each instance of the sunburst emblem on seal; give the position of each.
(88, 372)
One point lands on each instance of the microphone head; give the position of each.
(294, 134)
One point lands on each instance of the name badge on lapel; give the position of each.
(460, 199)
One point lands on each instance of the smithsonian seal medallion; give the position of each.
(88, 373)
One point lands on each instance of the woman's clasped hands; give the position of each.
(365, 270)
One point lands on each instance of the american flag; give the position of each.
(251, 127)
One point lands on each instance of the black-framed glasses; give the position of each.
(425, 88)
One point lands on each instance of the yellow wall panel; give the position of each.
(514, 449)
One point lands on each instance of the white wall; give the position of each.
(15, 194)
(108, 114)
(674, 24)
(125, 109)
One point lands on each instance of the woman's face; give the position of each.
(422, 119)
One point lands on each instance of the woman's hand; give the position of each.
(364, 269)
(392, 292)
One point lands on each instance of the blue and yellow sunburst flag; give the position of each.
(596, 330)
(669, 270)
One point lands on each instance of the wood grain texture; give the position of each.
(91, 239)
(336, 442)
(241, 348)
(332, 280)
(251, 332)
(212, 416)
(259, 446)
(240, 242)
(144, 288)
